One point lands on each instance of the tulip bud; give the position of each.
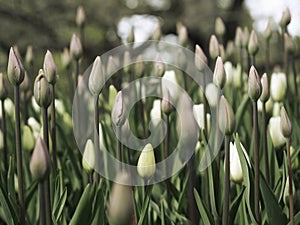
(229, 49)
(219, 76)
(181, 59)
(200, 58)
(25, 84)
(126, 62)
(285, 123)
(170, 76)
(65, 58)
(112, 66)
(50, 68)
(198, 111)
(156, 35)
(285, 18)
(80, 16)
(130, 37)
(214, 51)
(289, 44)
(117, 113)
(222, 51)
(245, 37)
(112, 93)
(96, 79)
(88, 159)
(238, 40)
(278, 86)
(155, 113)
(40, 160)
(220, 28)
(212, 94)
(75, 47)
(42, 91)
(15, 70)
(182, 33)
(159, 66)
(236, 172)
(253, 43)
(275, 132)
(3, 93)
(146, 163)
(120, 214)
(268, 31)
(254, 84)
(226, 117)
(139, 66)
(166, 105)
(286, 193)
(29, 56)
(28, 140)
(265, 94)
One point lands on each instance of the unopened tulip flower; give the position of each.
(285, 124)
(200, 58)
(236, 172)
(285, 18)
(198, 111)
(253, 43)
(278, 86)
(40, 160)
(286, 194)
(238, 40)
(118, 111)
(88, 159)
(96, 79)
(212, 94)
(42, 91)
(155, 113)
(15, 70)
(268, 31)
(146, 163)
(29, 55)
(246, 36)
(80, 16)
(254, 84)
(220, 28)
(269, 105)
(265, 94)
(219, 76)
(28, 140)
(182, 33)
(50, 68)
(170, 76)
(75, 47)
(275, 132)
(214, 50)
(226, 117)
(166, 105)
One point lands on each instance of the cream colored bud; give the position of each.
(29, 56)
(80, 16)
(278, 86)
(96, 79)
(285, 123)
(285, 18)
(220, 28)
(236, 172)
(214, 50)
(166, 105)
(200, 58)
(112, 66)
(254, 84)
(65, 58)
(50, 68)
(275, 132)
(139, 66)
(268, 31)
(159, 66)
(182, 33)
(146, 163)
(265, 94)
(28, 140)
(75, 47)
(286, 193)
(226, 117)
(238, 41)
(15, 70)
(246, 36)
(40, 160)
(89, 158)
(219, 76)
(212, 94)
(118, 111)
(253, 43)
(42, 91)
(155, 113)
(198, 111)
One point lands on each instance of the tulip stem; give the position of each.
(4, 137)
(76, 72)
(295, 83)
(19, 153)
(256, 162)
(225, 216)
(42, 204)
(167, 148)
(290, 173)
(46, 182)
(96, 134)
(268, 56)
(53, 128)
(119, 153)
(192, 210)
(265, 142)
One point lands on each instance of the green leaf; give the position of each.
(58, 208)
(241, 110)
(30, 192)
(274, 211)
(205, 215)
(162, 213)
(145, 205)
(98, 207)
(11, 218)
(235, 206)
(296, 219)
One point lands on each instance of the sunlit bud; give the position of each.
(146, 163)
(226, 117)
(156, 35)
(40, 160)
(253, 43)
(268, 31)
(222, 51)
(220, 28)
(278, 86)
(29, 56)
(88, 159)
(139, 66)
(236, 172)
(238, 41)
(170, 77)
(214, 51)
(42, 91)
(127, 62)
(112, 93)
(295, 162)
(118, 111)
(25, 85)
(166, 105)
(254, 84)
(96, 79)
(75, 47)
(80, 16)
(65, 58)
(112, 66)
(130, 37)
(285, 18)
(155, 113)
(50, 68)
(219, 76)
(212, 94)
(265, 94)
(15, 70)
(159, 66)
(229, 49)
(286, 193)
(275, 132)
(200, 58)
(198, 111)
(28, 140)
(120, 214)
(181, 59)
(285, 123)
(245, 37)
(182, 33)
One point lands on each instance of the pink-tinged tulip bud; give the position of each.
(253, 43)
(42, 92)
(254, 84)
(80, 16)
(214, 50)
(265, 94)
(285, 123)
(220, 28)
(50, 68)
(75, 47)
(96, 79)
(219, 76)
(117, 113)
(226, 117)
(238, 40)
(15, 70)
(268, 31)
(200, 58)
(146, 163)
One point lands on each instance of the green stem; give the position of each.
(265, 141)
(96, 134)
(268, 56)
(53, 128)
(42, 204)
(76, 72)
(290, 173)
(295, 83)
(119, 157)
(47, 179)
(19, 153)
(5, 149)
(192, 209)
(167, 152)
(256, 162)
(225, 216)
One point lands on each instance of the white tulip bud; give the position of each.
(275, 132)
(88, 159)
(198, 111)
(146, 163)
(236, 172)
(278, 86)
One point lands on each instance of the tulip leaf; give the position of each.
(273, 209)
(240, 112)
(235, 206)
(162, 213)
(296, 219)
(205, 215)
(10, 215)
(59, 206)
(145, 204)
(98, 208)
